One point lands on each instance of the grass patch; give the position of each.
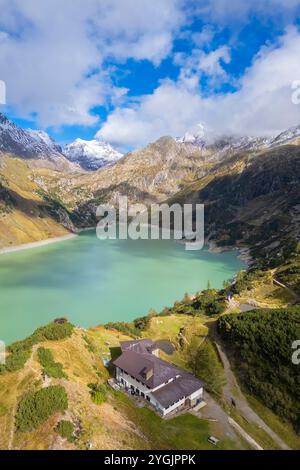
(283, 429)
(182, 432)
(205, 363)
(3, 409)
(258, 434)
(89, 344)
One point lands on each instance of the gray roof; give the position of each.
(135, 364)
(136, 359)
(142, 346)
(180, 388)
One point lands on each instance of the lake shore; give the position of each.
(244, 252)
(29, 246)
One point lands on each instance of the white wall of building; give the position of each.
(130, 381)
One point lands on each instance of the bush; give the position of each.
(35, 408)
(15, 361)
(143, 322)
(50, 367)
(246, 280)
(98, 393)
(51, 332)
(210, 302)
(20, 350)
(123, 327)
(66, 430)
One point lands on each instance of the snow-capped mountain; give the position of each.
(193, 137)
(91, 154)
(26, 143)
(221, 144)
(43, 138)
(286, 136)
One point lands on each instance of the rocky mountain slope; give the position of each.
(253, 200)
(250, 186)
(35, 146)
(91, 154)
(27, 213)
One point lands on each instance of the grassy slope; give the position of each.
(21, 220)
(117, 423)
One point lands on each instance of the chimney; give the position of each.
(147, 373)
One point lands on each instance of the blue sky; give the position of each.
(130, 71)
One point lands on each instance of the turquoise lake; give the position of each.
(93, 282)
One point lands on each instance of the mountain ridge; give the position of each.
(91, 155)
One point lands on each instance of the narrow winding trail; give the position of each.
(232, 391)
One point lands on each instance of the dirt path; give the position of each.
(232, 392)
(214, 412)
(293, 294)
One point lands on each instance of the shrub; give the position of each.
(35, 408)
(50, 367)
(15, 361)
(20, 350)
(143, 322)
(98, 393)
(126, 328)
(210, 302)
(51, 332)
(66, 430)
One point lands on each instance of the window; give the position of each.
(148, 398)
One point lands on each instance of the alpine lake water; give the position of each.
(92, 281)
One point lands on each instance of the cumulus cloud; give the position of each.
(52, 53)
(262, 104)
(200, 63)
(55, 56)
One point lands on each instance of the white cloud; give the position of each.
(52, 52)
(205, 36)
(140, 29)
(222, 11)
(53, 57)
(262, 105)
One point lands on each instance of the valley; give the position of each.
(250, 189)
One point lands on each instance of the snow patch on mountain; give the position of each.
(91, 154)
(44, 138)
(26, 143)
(286, 136)
(193, 137)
